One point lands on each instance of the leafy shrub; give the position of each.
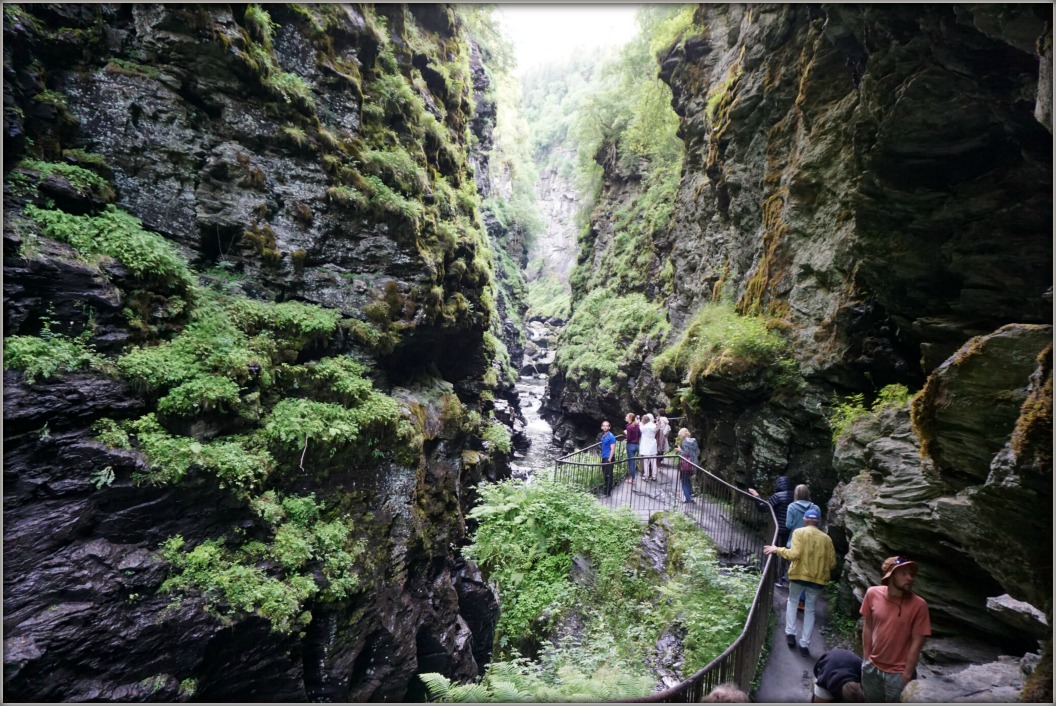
(388, 201)
(302, 539)
(720, 341)
(200, 394)
(347, 196)
(291, 88)
(295, 135)
(605, 334)
(51, 354)
(853, 407)
(85, 182)
(344, 376)
(170, 458)
(397, 168)
(547, 297)
(497, 436)
(526, 540)
(121, 236)
(293, 423)
(296, 322)
(211, 344)
(244, 588)
(523, 681)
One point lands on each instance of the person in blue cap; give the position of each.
(813, 558)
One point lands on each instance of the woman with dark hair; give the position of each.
(633, 434)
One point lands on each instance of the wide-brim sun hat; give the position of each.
(893, 564)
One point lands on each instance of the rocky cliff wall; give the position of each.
(553, 253)
(274, 209)
(875, 183)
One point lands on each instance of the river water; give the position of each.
(542, 449)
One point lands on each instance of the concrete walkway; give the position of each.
(788, 677)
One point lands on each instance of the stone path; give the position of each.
(788, 677)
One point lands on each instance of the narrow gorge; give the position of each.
(285, 284)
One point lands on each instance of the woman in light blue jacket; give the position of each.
(796, 509)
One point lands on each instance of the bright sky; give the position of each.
(542, 32)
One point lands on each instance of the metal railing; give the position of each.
(739, 523)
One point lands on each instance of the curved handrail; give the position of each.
(721, 499)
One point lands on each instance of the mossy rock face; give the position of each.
(219, 131)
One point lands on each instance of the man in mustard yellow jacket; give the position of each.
(813, 559)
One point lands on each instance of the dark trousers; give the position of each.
(606, 468)
(782, 564)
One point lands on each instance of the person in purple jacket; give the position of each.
(633, 434)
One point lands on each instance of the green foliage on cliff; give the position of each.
(719, 341)
(606, 337)
(114, 233)
(547, 297)
(32, 172)
(236, 461)
(52, 353)
(526, 541)
(844, 413)
(624, 126)
(233, 580)
(258, 53)
(497, 436)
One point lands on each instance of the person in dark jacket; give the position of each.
(838, 677)
(780, 501)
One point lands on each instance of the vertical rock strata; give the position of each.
(316, 155)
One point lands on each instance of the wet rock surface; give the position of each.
(902, 501)
(199, 149)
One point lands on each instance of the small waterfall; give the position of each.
(531, 387)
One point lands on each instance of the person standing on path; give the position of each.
(608, 448)
(663, 428)
(813, 558)
(688, 450)
(838, 677)
(633, 434)
(780, 501)
(794, 517)
(647, 448)
(896, 623)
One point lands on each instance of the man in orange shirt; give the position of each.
(896, 623)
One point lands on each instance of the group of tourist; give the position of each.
(646, 441)
(896, 621)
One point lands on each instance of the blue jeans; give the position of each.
(687, 485)
(632, 451)
(791, 608)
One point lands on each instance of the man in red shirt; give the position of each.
(896, 623)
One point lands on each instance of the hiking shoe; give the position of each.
(805, 651)
(791, 640)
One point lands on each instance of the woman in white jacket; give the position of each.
(647, 448)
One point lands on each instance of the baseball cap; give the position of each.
(812, 514)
